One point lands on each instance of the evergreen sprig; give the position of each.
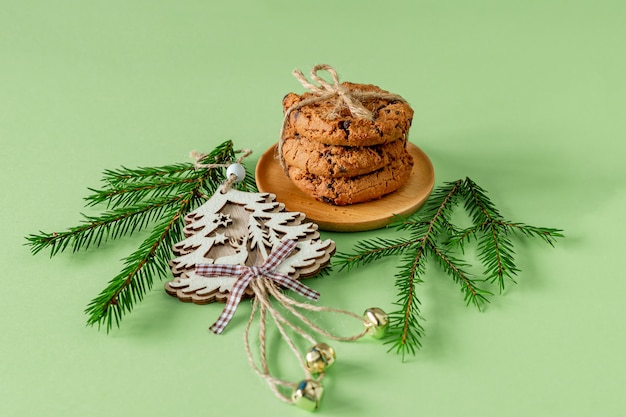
(136, 199)
(432, 235)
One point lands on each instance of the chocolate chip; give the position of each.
(345, 125)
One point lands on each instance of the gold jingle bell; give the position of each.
(377, 322)
(319, 358)
(308, 394)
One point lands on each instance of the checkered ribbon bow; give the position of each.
(246, 274)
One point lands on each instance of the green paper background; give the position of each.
(527, 98)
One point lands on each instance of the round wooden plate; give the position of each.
(375, 214)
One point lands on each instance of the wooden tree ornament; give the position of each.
(245, 244)
(242, 228)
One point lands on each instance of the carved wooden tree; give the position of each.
(242, 228)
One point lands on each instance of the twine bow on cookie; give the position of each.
(248, 273)
(325, 90)
(351, 98)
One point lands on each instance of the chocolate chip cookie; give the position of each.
(359, 189)
(339, 161)
(391, 119)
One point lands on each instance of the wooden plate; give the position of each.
(375, 214)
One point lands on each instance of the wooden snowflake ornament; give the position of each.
(242, 228)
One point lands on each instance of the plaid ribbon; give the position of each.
(246, 274)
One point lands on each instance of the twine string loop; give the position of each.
(199, 156)
(264, 281)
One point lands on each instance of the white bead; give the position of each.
(238, 170)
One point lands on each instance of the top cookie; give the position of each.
(392, 119)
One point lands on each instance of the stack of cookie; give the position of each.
(345, 159)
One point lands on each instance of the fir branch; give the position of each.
(406, 330)
(132, 193)
(434, 217)
(425, 231)
(123, 175)
(141, 197)
(369, 251)
(459, 238)
(99, 229)
(547, 234)
(152, 258)
(431, 234)
(457, 270)
(477, 204)
(405, 323)
(141, 267)
(491, 230)
(135, 214)
(495, 251)
(128, 186)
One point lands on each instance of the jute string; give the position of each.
(344, 97)
(264, 289)
(198, 156)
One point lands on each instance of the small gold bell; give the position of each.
(308, 394)
(319, 358)
(377, 322)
